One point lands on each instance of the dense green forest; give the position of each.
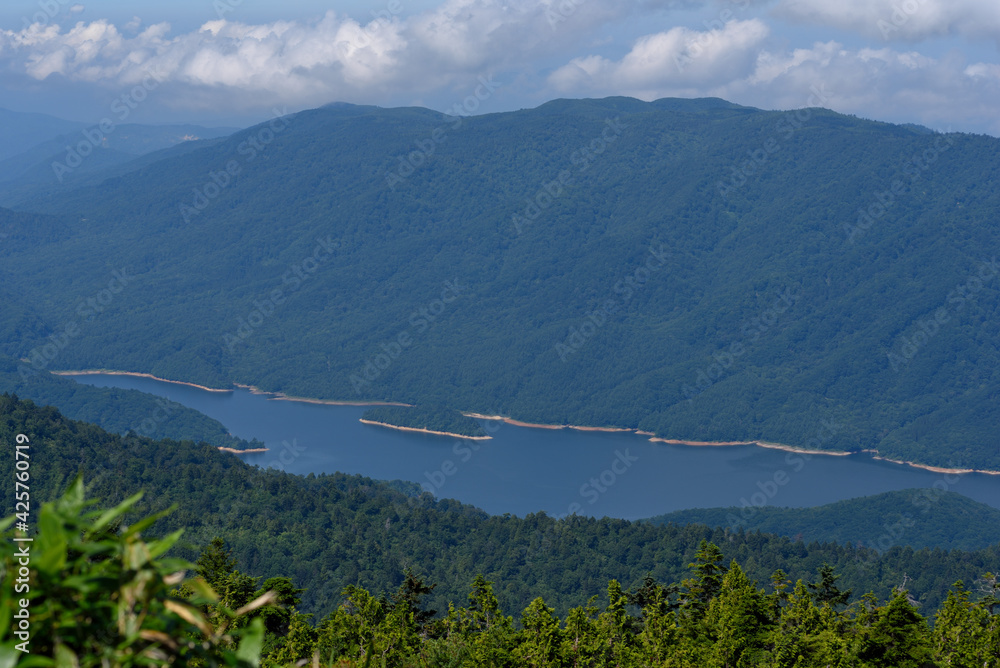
(597, 262)
(434, 418)
(154, 611)
(927, 517)
(116, 410)
(330, 531)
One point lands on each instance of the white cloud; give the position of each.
(679, 57)
(740, 64)
(438, 54)
(900, 20)
(299, 62)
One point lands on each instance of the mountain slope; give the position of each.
(691, 268)
(19, 130)
(915, 517)
(116, 410)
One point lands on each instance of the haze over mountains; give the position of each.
(693, 268)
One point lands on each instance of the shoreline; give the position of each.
(424, 431)
(933, 469)
(241, 452)
(107, 372)
(280, 396)
(759, 444)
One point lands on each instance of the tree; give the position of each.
(541, 639)
(826, 590)
(215, 562)
(707, 578)
(898, 637)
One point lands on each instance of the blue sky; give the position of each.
(933, 62)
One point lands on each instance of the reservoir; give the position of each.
(524, 470)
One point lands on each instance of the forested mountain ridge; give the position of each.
(116, 410)
(926, 517)
(330, 531)
(696, 269)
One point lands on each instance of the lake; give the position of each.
(523, 470)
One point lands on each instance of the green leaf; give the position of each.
(110, 515)
(252, 643)
(158, 547)
(51, 541)
(147, 522)
(65, 658)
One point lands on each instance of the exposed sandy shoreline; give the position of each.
(280, 396)
(105, 372)
(935, 469)
(760, 444)
(241, 452)
(425, 431)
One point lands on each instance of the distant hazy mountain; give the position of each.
(915, 517)
(69, 155)
(20, 131)
(693, 268)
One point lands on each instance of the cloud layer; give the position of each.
(743, 50)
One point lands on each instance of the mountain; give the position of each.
(116, 410)
(330, 531)
(692, 268)
(65, 158)
(19, 131)
(917, 517)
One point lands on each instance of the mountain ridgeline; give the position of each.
(927, 517)
(692, 268)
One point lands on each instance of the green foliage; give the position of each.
(433, 418)
(99, 595)
(764, 319)
(926, 517)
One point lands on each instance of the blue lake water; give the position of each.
(523, 470)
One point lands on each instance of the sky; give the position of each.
(237, 62)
